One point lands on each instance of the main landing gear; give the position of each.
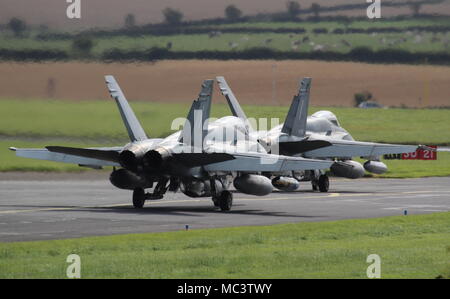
(221, 198)
(138, 198)
(139, 195)
(321, 184)
(224, 200)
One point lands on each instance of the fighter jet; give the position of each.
(201, 160)
(319, 136)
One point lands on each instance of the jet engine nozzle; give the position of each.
(253, 184)
(128, 160)
(155, 159)
(131, 156)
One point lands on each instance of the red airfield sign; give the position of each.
(421, 154)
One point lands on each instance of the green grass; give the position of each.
(417, 168)
(38, 123)
(281, 42)
(100, 119)
(201, 42)
(409, 247)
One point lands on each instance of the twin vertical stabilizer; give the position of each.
(134, 128)
(196, 126)
(295, 124)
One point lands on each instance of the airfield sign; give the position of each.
(419, 154)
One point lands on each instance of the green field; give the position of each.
(100, 119)
(415, 246)
(242, 41)
(427, 42)
(38, 123)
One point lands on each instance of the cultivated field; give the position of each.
(254, 82)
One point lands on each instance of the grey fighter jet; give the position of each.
(201, 160)
(319, 136)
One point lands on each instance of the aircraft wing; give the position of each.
(82, 157)
(298, 147)
(200, 159)
(349, 149)
(256, 162)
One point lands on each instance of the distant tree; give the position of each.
(130, 21)
(233, 13)
(83, 45)
(293, 9)
(315, 8)
(43, 28)
(346, 21)
(17, 26)
(172, 16)
(415, 8)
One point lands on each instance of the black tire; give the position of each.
(225, 201)
(314, 185)
(324, 183)
(215, 201)
(138, 198)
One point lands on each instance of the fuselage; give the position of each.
(322, 124)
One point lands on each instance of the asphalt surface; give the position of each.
(57, 208)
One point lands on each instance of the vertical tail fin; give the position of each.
(134, 128)
(196, 126)
(232, 101)
(295, 124)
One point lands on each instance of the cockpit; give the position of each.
(327, 115)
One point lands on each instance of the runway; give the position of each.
(64, 208)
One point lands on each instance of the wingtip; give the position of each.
(426, 148)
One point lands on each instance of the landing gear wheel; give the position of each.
(225, 200)
(324, 183)
(138, 198)
(314, 185)
(215, 201)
